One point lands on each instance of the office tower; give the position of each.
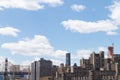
(33, 71)
(68, 61)
(95, 61)
(41, 69)
(96, 67)
(101, 53)
(45, 67)
(110, 51)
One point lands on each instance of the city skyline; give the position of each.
(51, 28)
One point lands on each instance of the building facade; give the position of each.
(41, 70)
(68, 60)
(96, 67)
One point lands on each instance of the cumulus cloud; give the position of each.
(115, 11)
(109, 26)
(27, 62)
(105, 51)
(79, 54)
(77, 8)
(82, 54)
(112, 33)
(89, 27)
(37, 46)
(28, 4)
(9, 31)
(2, 60)
(59, 56)
(60, 53)
(102, 49)
(40, 46)
(56, 61)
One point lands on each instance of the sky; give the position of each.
(34, 29)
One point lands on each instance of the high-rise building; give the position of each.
(110, 51)
(96, 67)
(33, 70)
(41, 69)
(68, 59)
(97, 60)
(101, 53)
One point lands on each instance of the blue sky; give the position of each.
(31, 29)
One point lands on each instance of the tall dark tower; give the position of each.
(68, 59)
(6, 70)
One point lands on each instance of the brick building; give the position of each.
(97, 67)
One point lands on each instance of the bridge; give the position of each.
(9, 70)
(16, 73)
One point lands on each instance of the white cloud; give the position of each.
(2, 60)
(77, 8)
(115, 11)
(9, 31)
(109, 26)
(27, 62)
(82, 54)
(52, 2)
(28, 4)
(102, 49)
(90, 27)
(105, 51)
(56, 61)
(60, 53)
(37, 46)
(112, 33)
(79, 54)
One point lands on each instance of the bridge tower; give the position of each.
(6, 70)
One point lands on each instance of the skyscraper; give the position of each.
(41, 69)
(68, 59)
(33, 70)
(110, 51)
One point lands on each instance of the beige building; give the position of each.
(14, 68)
(97, 67)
